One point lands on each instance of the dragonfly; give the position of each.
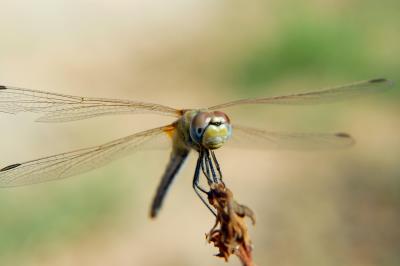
(200, 130)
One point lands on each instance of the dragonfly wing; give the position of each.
(62, 108)
(79, 161)
(320, 96)
(252, 138)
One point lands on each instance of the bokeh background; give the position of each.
(313, 208)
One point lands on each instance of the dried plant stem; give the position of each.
(229, 234)
(244, 255)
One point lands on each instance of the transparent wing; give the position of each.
(321, 96)
(79, 161)
(62, 108)
(252, 138)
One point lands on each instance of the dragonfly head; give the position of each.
(210, 129)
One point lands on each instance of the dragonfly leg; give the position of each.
(210, 164)
(213, 163)
(214, 158)
(206, 170)
(196, 185)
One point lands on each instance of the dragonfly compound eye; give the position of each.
(198, 125)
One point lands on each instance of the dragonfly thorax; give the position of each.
(210, 130)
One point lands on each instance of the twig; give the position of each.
(229, 233)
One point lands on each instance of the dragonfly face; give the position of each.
(209, 130)
(202, 130)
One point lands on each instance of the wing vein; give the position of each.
(319, 96)
(82, 160)
(61, 108)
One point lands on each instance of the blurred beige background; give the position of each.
(313, 208)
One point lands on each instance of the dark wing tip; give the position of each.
(342, 135)
(381, 80)
(9, 167)
(347, 137)
(378, 80)
(3, 87)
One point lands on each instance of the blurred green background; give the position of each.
(313, 208)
